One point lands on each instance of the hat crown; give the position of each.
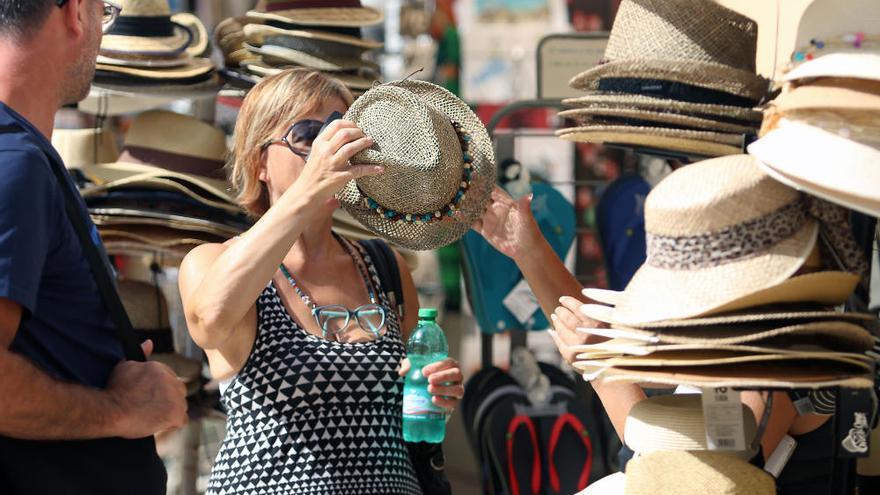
(417, 145)
(682, 30)
(144, 8)
(714, 195)
(85, 147)
(177, 134)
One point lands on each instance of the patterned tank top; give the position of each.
(310, 416)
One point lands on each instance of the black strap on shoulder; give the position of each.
(389, 272)
(99, 265)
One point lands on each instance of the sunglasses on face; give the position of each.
(111, 13)
(298, 138)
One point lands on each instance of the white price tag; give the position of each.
(521, 301)
(722, 413)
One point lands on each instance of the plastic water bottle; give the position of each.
(422, 420)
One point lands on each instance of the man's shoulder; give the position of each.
(24, 168)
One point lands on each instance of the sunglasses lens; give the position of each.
(371, 318)
(303, 134)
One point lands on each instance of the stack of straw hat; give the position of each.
(737, 289)
(822, 134)
(324, 36)
(678, 77)
(150, 51)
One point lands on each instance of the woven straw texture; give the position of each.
(182, 38)
(257, 32)
(696, 42)
(675, 422)
(692, 473)
(411, 122)
(595, 114)
(716, 357)
(644, 102)
(328, 16)
(833, 94)
(701, 143)
(196, 67)
(282, 55)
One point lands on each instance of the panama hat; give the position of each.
(192, 70)
(79, 147)
(353, 81)
(689, 141)
(318, 12)
(696, 43)
(257, 34)
(676, 422)
(677, 472)
(625, 114)
(723, 235)
(146, 27)
(743, 115)
(438, 159)
(277, 51)
(836, 42)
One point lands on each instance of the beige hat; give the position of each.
(79, 147)
(650, 103)
(676, 472)
(676, 422)
(257, 34)
(438, 159)
(146, 27)
(193, 69)
(353, 81)
(698, 43)
(624, 114)
(691, 142)
(837, 42)
(722, 235)
(276, 54)
(348, 13)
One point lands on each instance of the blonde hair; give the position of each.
(267, 111)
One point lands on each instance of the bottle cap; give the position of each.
(427, 314)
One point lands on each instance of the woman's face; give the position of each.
(281, 167)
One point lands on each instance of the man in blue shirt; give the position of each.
(75, 417)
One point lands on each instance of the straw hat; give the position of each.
(837, 42)
(699, 43)
(146, 27)
(438, 159)
(744, 115)
(318, 12)
(695, 473)
(723, 235)
(353, 81)
(278, 51)
(676, 422)
(840, 119)
(691, 142)
(191, 70)
(596, 115)
(169, 151)
(257, 34)
(79, 147)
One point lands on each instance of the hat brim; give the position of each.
(183, 224)
(830, 94)
(328, 16)
(694, 143)
(257, 34)
(643, 102)
(714, 356)
(855, 64)
(352, 81)
(593, 115)
(703, 74)
(273, 54)
(193, 68)
(832, 167)
(200, 38)
(144, 45)
(427, 236)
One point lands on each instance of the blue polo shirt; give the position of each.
(65, 328)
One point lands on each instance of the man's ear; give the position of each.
(75, 16)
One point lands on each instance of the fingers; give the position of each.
(350, 148)
(358, 171)
(404, 367)
(442, 377)
(443, 364)
(564, 321)
(564, 350)
(334, 127)
(573, 305)
(147, 347)
(448, 391)
(499, 195)
(444, 402)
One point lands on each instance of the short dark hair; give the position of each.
(24, 17)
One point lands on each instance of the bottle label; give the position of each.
(421, 407)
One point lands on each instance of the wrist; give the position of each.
(115, 414)
(530, 240)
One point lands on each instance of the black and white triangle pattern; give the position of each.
(310, 416)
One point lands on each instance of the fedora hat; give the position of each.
(677, 472)
(169, 151)
(194, 71)
(840, 119)
(723, 235)
(744, 115)
(346, 13)
(82, 147)
(362, 80)
(438, 159)
(701, 44)
(614, 114)
(257, 34)
(689, 141)
(676, 422)
(279, 50)
(147, 28)
(835, 42)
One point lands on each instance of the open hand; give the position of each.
(566, 318)
(506, 224)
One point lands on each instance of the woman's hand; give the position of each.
(566, 318)
(445, 381)
(328, 169)
(508, 225)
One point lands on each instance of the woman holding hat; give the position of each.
(294, 318)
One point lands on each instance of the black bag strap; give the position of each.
(99, 265)
(389, 272)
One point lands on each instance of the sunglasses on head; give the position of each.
(299, 137)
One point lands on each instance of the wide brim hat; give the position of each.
(439, 165)
(78, 147)
(280, 55)
(186, 33)
(194, 68)
(704, 45)
(835, 166)
(354, 81)
(159, 236)
(690, 142)
(678, 472)
(676, 422)
(113, 100)
(343, 13)
(623, 114)
(120, 175)
(136, 218)
(257, 34)
(648, 103)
